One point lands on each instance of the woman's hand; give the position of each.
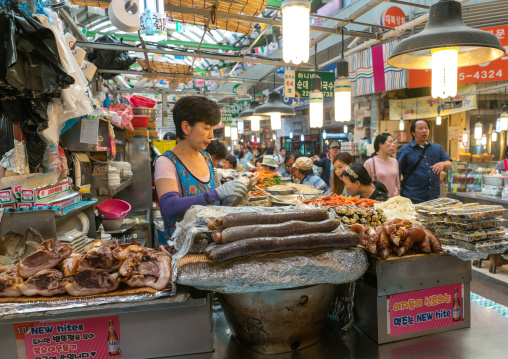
(234, 188)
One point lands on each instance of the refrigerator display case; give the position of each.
(467, 176)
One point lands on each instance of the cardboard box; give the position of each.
(25, 205)
(39, 194)
(11, 205)
(137, 134)
(61, 201)
(153, 135)
(7, 196)
(151, 126)
(17, 192)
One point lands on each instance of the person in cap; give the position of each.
(327, 162)
(303, 171)
(269, 164)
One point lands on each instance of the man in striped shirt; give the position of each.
(303, 171)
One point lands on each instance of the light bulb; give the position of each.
(444, 72)
(252, 138)
(240, 126)
(302, 137)
(234, 143)
(316, 109)
(276, 122)
(401, 125)
(258, 140)
(255, 123)
(484, 140)
(229, 148)
(345, 128)
(324, 135)
(234, 133)
(498, 124)
(274, 137)
(227, 131)
(295, 31)
(478, 129)
(438, 120)
(291, 135)
(494, 136)
(342, 94)
(504, 121)
(464, 136)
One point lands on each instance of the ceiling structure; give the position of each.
(210, 47)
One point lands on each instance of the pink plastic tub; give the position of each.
(113, 209)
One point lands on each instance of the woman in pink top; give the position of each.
(382, 167)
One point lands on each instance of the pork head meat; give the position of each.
(50, 253)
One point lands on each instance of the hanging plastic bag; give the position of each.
(6, 134)
(111, 60)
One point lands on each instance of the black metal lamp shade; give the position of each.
(445, 28)
(274, 104)
(248, 113)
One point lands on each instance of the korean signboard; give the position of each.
(426, 107)
(425, 309)
(488, 72)
(80, 338)
(393, 17)
(298, 83)
(227, 115)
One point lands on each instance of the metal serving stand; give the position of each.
(176, 327)
(397, 275)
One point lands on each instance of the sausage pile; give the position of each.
(397, 236)
(53, 269)
(245, 233)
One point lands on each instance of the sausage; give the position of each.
(208, 249)
(217, 223)
(360, 230)
(217, 236)
(252, 246)
(277, 230)
(211, 224)
(249, 218)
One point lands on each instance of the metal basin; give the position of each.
(278, 321)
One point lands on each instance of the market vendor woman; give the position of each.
(357, 182)
(184, 176)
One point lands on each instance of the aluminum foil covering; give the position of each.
(276, 271)
(20, 309)
(467, 255)
(16, 159)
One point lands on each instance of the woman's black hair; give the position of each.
(380, 140)
(240, 154)
(506, 152)
(413, 126)
(231, 159)
(362, 176)
(194, 109)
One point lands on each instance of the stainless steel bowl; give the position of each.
(492, 180)
(145, 111)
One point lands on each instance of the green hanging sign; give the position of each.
(298, 83)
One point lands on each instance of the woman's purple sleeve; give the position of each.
(174, 205)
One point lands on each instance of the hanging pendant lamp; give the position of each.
(464, 136)
(248, 114)
(438, 118)
(291, 135)
(295, 31)
(274, 108)
(445, 44)
(494, 136)
(504, 118)
(401, 124)
(342, 89)
(324, 134)
(478, 128)
(484, 140)
(302, 138)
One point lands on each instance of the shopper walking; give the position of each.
(382, 166)
(420, 164)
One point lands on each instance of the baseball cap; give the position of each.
(303, 163)
(334, 144)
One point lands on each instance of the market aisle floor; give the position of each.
(489, 285)
(485, 339)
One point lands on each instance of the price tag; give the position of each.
(69, 339)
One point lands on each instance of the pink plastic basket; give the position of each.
(113, 208)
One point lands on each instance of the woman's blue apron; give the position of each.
(190, 186)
